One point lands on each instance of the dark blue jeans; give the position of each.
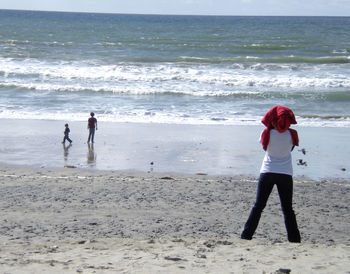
(91, 134)
(66, 137)
(284, 185)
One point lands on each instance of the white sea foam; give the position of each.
(166, 118)
(152, 79)
(229, 95)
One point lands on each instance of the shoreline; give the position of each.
(76, 220)
(216, 150)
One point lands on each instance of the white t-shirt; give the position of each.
(278, 158)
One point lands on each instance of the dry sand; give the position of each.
(80, 221)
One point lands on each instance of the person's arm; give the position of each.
(96, 123)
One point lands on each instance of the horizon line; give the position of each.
(169, 14)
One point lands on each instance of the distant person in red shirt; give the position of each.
(92, 126)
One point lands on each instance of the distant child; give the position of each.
(92, 126)
(66, 134)
(278, 140)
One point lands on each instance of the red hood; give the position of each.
(279, 118)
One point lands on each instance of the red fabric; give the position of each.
(279, 118)
(92, 122)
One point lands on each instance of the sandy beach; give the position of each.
(83, 221)
(162, 198)
(170, 180)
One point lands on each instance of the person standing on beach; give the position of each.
(66, 134)
(92, 126)
(278, 140)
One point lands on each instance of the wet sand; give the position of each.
(185, 149)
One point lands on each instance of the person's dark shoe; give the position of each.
(246, 237)
(295, 241)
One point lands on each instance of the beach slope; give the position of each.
(72, 220)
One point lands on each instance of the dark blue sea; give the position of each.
(173, 69)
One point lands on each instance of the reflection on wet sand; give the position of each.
(91, 155)
(66, 152)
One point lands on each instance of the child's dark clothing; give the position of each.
(92, 126)
(66, 135)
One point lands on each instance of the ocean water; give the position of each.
(173, 69)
